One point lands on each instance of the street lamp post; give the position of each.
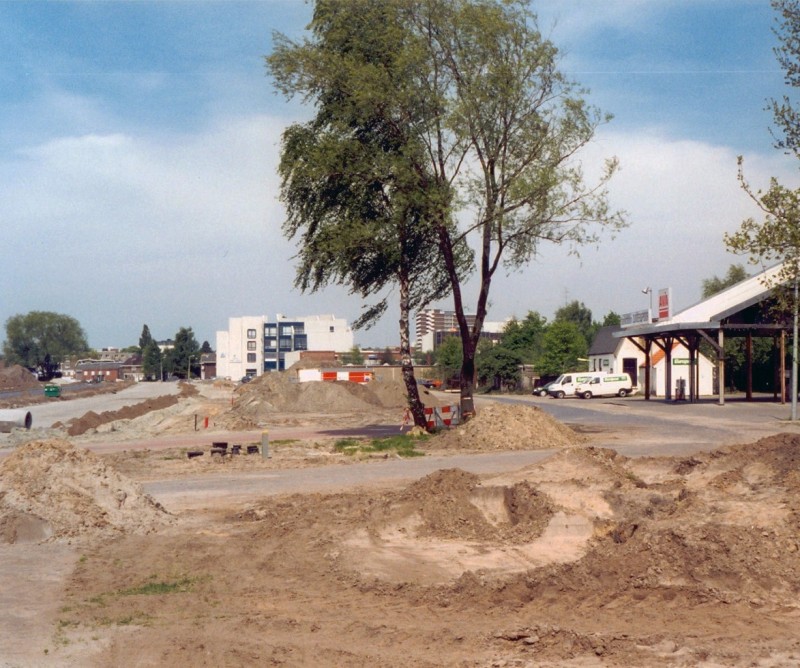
(649, 292)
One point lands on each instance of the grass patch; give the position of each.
(402, 445)
(284, 441)
(156, 588)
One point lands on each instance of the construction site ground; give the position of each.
(541, 533)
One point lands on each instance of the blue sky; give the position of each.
(139, 141)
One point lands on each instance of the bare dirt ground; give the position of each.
(587, 558)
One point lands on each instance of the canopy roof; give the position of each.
(717, 311)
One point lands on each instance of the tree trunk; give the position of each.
(412, 389)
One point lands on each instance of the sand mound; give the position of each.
(449, 523)
(50, 489)
(16, 377)
(277, 394)
(508, 427)
(452, 504)
(92, 420)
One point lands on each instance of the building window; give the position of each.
(251, 345)
(331, 329)
(251, 333)
(251, 357)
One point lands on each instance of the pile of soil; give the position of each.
(508, 427)
(17, 377)
(586, 559)
(452, 504)
(273, 395)
(91, 420)
(52, 490)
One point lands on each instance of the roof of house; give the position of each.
(710, 313)
(658, 355)
(97, 364)
(731, 300)
(604, 341)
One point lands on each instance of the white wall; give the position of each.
(232, 347)
(326, 332)
(658, 373)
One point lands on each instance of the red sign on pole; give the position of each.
(664, 299)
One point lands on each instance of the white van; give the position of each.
(565, 384)
(608, 385)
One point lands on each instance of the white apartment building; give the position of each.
(434, 325)
(253, 345)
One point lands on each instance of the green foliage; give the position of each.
(145, 338)
(564, 345)
(185, 351)
(350, 177)
(42, 340)
(402, 445)
(151, 361)
(715, 284)
(498, 366)
(449, 356)
(611, 319)
(784, 110)
(777, 237)
(525, 338)
(353, 356)
(157, 587)
(426, 109)
(577, 313)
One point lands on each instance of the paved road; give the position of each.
(57, 410)
(637, 427)
(631, 426)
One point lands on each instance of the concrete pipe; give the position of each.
(15, 419)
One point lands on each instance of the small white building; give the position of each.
(617, 355)
(253, 345)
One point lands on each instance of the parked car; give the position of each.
(542, 390)
(611, 385)
(565, 384)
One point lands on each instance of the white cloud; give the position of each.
(122, 229)
(681, 198)
(169, 230)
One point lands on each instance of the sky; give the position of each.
(139, 143)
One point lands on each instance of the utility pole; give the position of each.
(794, 351)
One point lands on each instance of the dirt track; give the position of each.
(585, 558)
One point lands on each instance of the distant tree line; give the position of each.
(42, 340)
(550, 348)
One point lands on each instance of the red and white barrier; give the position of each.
(442, 416)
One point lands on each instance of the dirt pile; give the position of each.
(17, 377)
(92, 420)
(586, 558)
(451, 504)
(273, 395)
(50, 489)
(508, 427)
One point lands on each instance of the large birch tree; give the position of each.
(493, 125)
